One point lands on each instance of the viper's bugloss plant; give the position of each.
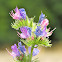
(31, 34)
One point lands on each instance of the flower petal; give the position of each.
(22, 48)
(35, 51)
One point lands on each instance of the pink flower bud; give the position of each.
(45, 22)
(32, 38)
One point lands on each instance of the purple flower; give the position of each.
(19, 14)
(47, 32)
(44, 32)
(22, 13)
(26, 32)
(41, 32)
(35, 51)
(21, 48)
(15, 50)
(28, 29)
(38, 31)
(41, 18)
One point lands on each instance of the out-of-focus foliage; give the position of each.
(51, 8)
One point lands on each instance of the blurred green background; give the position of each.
(51, 8)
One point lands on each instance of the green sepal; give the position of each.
(37, 41)
(45, 42)
(21, 23)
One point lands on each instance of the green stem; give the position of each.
(31, 53)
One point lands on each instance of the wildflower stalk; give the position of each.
(32, 34)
